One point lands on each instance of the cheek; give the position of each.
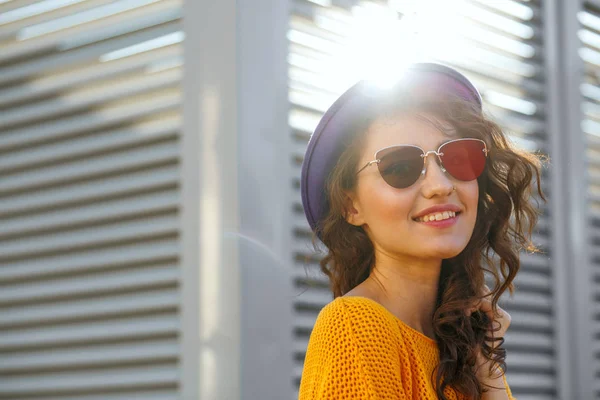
(470, 198)
(384, 203)
(473, 193)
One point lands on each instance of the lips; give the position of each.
(437, 210)
(440, 216)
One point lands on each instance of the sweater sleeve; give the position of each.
(350, 358)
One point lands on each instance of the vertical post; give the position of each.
(568, 202)
(265, 171)
(236, 307)
(210, 271)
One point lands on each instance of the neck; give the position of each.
(408, 288)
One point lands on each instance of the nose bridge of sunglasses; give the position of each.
(437, 160)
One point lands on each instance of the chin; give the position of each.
(448, 251)
(449, 256)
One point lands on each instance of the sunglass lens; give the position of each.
(400, 166)
(464, 159)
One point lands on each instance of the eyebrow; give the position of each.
(446, 128)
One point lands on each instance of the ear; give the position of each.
(354, 215)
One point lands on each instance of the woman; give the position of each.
(415, 193)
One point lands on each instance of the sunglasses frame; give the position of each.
(424, 154)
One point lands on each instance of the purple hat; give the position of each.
(326, 145)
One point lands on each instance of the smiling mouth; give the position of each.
(439, 216)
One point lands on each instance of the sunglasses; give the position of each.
(402, 165)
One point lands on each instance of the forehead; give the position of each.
(423, 130)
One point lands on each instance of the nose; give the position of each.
(436, 180)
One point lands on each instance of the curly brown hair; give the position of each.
(506, 217)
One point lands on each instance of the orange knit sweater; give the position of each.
(360, 350)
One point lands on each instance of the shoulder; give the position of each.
(358, 317)
(350, 354)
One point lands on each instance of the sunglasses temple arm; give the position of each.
(367, 164)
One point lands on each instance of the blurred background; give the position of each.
(152, 239)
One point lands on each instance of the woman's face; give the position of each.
(388, 214)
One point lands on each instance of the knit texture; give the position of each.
(360, 350)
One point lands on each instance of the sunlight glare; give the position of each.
(148, 45)
(378, 47)
(383, 39)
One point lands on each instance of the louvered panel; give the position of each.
(111, 187)
(90, 119)
(142, 205)
(78, 51)
(589, 51)
(43, 86)
(158, 393)
(90, 97)
(99, 235)
(595, 255)
(135, 110)
(108, 330)
(141, 301)
(148, 252)
(134, 135)
(92, 283)
(499, 46)
(93, 379)
(92, 356)
(90, 168)
(14, 12)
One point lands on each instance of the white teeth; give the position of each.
(437, 216)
